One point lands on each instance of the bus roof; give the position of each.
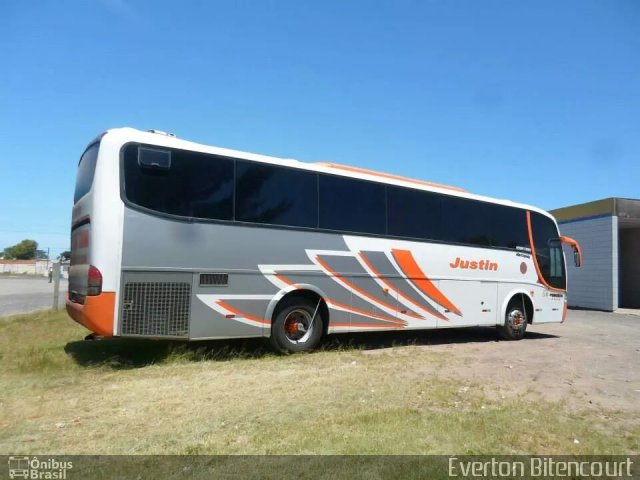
(155, 137)
(387, 175)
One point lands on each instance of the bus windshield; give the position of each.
(548, 248)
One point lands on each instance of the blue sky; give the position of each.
(535, 101)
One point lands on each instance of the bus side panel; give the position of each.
(252, 267)
(462, 283)
(237, 308)
(215, 315)
(549, 306)
(478, 303)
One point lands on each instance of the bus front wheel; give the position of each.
(515, 321)
(297, 326)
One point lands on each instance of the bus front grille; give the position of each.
(156, 309)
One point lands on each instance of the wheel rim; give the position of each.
(516, 319)
(297, 326)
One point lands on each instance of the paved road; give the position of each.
(22, 294)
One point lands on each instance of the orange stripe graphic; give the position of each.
(535, 259)
(391, 287)
(351, 309)
(408, 264)
(363, 325)
(363, 313)
(388, 175)
(242, 314)
(285, 280)
(363, 293)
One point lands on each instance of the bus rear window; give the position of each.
(86, 171)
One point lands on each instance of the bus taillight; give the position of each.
(94, 281)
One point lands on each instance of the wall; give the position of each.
(595, 284)
(630, 268)
(28, 267)
(18, 267)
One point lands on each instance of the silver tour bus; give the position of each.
(174, 239)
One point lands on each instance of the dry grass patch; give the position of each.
(63, 396)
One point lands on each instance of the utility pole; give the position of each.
(56, 284)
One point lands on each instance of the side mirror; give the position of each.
(154, 159)
(577, 251)
(577, 258)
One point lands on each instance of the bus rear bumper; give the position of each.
(96, 313)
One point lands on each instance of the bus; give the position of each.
(176, 240)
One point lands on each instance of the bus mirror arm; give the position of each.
(577, 251)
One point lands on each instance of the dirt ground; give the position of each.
(592, 360)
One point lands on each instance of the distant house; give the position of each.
(31, 267)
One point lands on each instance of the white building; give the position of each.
(609, 233)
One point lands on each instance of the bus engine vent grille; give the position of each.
(214, 279)
(158, 309)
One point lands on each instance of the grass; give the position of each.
(62, 395)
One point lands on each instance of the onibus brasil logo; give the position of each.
(38, 468)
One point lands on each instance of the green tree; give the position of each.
(66, 255)
(25, 250)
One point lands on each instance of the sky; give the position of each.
(535, 101)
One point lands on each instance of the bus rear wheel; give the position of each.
(515, 321)
(297, 326)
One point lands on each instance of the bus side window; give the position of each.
(276, 195)
(352, 205)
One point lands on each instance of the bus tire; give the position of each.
(515, 321)
(294, 328)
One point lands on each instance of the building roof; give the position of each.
(628, 208)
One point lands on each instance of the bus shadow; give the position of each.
(380, 340)
(129, 353)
